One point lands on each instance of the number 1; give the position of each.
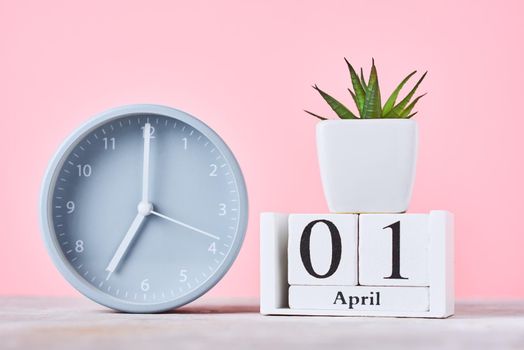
(395, 253)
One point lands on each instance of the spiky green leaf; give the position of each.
(342, 111)
(315, 115)
(354, 97)
(362, 80)
(411, 115)
(360, 93)
(399, 107)
(372, 104)
(405, 113)
(393, 98)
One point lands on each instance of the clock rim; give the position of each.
(48, 231)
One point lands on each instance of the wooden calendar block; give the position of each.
(412, 299)
(394, 249)
(322, 249)
(433, 298)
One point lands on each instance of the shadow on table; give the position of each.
(202, 309)
(488, 310)
(217, 309)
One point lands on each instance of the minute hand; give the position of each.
(185, 225)
(145, 165)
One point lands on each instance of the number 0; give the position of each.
(336, 248)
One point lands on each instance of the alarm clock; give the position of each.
(143, 208)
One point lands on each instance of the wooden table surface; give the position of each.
(76, 323)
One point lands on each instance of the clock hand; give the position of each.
(143, 211)
(144, 207)
(145, 186)
(145, 166)
(185, 225)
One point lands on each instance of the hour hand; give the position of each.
(124, 245)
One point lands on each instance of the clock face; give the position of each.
(144, 208)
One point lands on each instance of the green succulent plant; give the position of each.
(366, 96)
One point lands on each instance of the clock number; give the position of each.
(183, 275)
(151, 131)
(70, 207)
(79, 246)
(336, 248)
(184, 140)
(214, 169)
(84, 170)
(212, 248)
(221, 209)
(145, 285)
(395, 252)
(109, 143)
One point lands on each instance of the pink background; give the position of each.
(245, 68)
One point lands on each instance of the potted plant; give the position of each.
(367, 162)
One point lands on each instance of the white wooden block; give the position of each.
(442, 263)
(359, 298)
(273, 261)
(275, 289)
(394, 249)
(322, 249)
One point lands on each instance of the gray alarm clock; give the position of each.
(143, 208)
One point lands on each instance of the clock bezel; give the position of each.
(49, 234)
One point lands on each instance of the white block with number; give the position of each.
(322, 249)
(394, 249)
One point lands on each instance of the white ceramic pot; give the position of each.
(367, 166)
